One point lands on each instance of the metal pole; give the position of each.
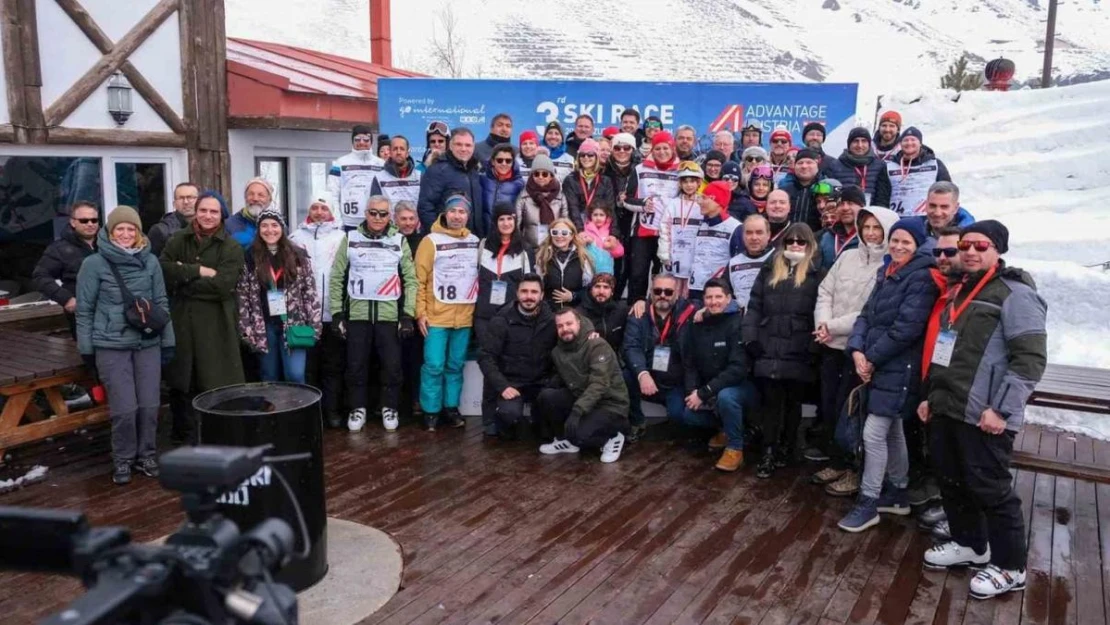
(1049, 40)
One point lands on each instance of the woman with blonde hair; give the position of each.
(778, 333)
(565, 265)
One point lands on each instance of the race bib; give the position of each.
(661, 358)
(541, 234)
(498, 291)
(942, 350)
(373, 267)
(455, 271)
(275, 302)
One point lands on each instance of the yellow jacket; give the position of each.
(439, 314)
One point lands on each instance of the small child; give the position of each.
(600, 245)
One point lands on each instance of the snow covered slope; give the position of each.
(1038, 161)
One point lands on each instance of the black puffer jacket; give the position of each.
(577, 208)
(444, 177)
(163, 230)
(609, 320)
(713, 355)
(622, 181)
(61, 261)
(572, 276)
(868, 172)
(516, 350)
(778, 326)
(803, 205)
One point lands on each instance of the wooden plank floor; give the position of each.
(496, 533)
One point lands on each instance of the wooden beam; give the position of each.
(7, 133)
(13, 69)
(1071, 468)
(32, 71)
(291, 123)
(109, 63)
(85, 22)
(136, 138)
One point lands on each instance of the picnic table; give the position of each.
(36, 362)
(1073, 388)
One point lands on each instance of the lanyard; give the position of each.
(666, 326)
(275, 276)
(862, 171)
(587, 194)
(905, 168)
(838, 246)
(501, 256)
(954, 312)
(685, 214)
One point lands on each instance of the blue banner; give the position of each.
(407, 105)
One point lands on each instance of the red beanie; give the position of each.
(662, 137)
(891, 116)
(719, 192)
(610, 132)
(528, 135)
(781, 133)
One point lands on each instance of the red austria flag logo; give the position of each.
(473, 291)
(392, 286)
(732, 118)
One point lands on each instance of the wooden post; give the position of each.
(381, 33)
(1049, 41)
(22, 70)
(204, 87)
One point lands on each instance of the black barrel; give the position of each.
(288, 417)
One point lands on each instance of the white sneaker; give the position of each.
(356, 419)
(993, 581)
(558, 446)
(953, 554)
(611, 452)
(389, 419)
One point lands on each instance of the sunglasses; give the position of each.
(437, 127)
(560, 233)
(753, 159)
(730, 178)
(660, 291)
(437, 141)
(503, 161)
(980, 246)
(377, 214)
(587, 155)
(363, 138)
(780, 142)
(622, 148)
(794, 241)
(88, 220)
(541, 174)
(947, 252)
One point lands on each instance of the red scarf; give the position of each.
(932, 330)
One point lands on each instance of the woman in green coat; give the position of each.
(202, 264)
(128, 360)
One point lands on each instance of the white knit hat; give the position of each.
(624, 138)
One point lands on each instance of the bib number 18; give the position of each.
(447, 292)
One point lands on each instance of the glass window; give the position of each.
(35, 195)
(310, 175)
(273, 169)
(142, 186)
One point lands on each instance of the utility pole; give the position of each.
(1049, 40)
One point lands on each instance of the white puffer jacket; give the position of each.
(320, 240)
(846, 287)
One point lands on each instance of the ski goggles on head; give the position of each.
(438, 128)
(689, 169)
(654, 124)
(762, 171)
(823, 188)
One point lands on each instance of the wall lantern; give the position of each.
(119, 98)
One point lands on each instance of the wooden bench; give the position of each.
(34, 362)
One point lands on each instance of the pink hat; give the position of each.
(719, 192)
(589, 146)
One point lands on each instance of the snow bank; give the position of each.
(1038, 161)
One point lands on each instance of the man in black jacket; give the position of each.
(515, 358)
(716, 372)
(55, 275)
(184, 209)
(607, 314)
(500, 131)
(653, 370)
(859, 165)
(456, 171)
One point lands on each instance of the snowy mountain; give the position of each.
(886, 45)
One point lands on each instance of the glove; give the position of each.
(90, 364)
(339, 327)
(167, 355)
(406, 328)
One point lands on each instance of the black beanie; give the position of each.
(852, 193)
(715, 155)
(383, 139)
(858, 132)
(814, 126)
(807, 153)
(993, 230)
(360, 129)
(911, 132)
(503, 208)
(554, 125)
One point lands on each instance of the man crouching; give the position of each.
(588, 405)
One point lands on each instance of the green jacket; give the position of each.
(100, 307)
(370, 310)
(203, 310)
(590, 369)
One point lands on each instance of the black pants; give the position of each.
(184, 420)
(592, 429)
(412, 358)
(641, 260)
(973, 469)
(782, 411)
(838, 378)
(327, 361)
(508, 413)
(363, 339)
(917, 443)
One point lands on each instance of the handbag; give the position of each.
(139, 312)
(849, 427)
(299, 336)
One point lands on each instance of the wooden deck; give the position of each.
(497, 533)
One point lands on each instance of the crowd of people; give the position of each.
(589, 274)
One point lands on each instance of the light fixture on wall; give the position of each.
(119, 98)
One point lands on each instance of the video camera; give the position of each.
(207, 572)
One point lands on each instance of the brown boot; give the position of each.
(731, 460)
(828, 475)
(719, 441)
(846, 486)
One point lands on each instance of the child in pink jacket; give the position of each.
(600, 245)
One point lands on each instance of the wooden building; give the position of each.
(116, 103)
